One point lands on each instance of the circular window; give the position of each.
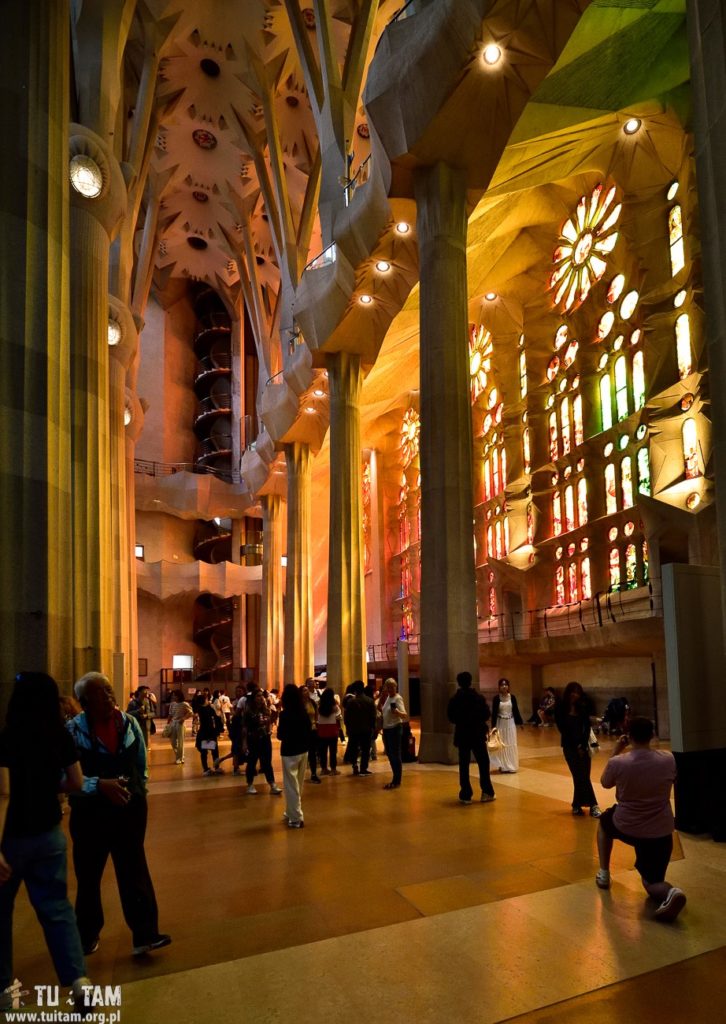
(86, 176)
(209, 67)
(204, 139)
(114, 332)
(201, 197)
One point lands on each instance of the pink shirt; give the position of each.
(642, 781)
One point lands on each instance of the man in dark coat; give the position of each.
(469, 712)
(359, 716)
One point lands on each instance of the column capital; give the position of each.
(108, 205)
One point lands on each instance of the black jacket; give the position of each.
(469, 711)
(359, 714)
(293, 732)
(515, 711)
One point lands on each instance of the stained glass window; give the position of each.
(490, 542)
(487, 479)
(560, 584)
(570, 354)
(631, 567)
(643, 471)
(410, 431)
(606, 324)
(366, 516)
(626, 481)
(403, 534)
(581, 501)
(577, 417)
(522, 374)
(627, 306)
(645, 561)
(572, 581)
(554, 452)
(565, 426)
(569, 507)
(506, 535)
(675, 240)
(614, 569)
(621, 387)
(611, 501)
(496, 479)
(616, 288)
(684, 351)
(480, 359)
(556, 514)
(638, 381)
(498, 540)
(530, 524)
(503, 465)
(492, 602)
(418, 509)
(690, 449)
(586, 580)
(553, 367)
(526, 455)
(606, 405)
(585, 240)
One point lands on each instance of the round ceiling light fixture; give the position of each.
(632, 125)
(490, 296)
(366, 300)
(402, 227)
(310, 408)
(114, 332)
(319, 393)
(86, 176)
(491, 54)
(383, 266)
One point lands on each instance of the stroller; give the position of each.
(615, 720)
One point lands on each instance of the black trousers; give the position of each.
(359, 745)
(478, 748)
(578, 761)
(260, 749)
(99, 829)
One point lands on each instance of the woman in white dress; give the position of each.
(506, 718)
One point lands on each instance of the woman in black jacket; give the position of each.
(573, 721)
(294, 732)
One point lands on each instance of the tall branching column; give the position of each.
(346, 613)
(35, 470)
(271, 624)
(448, 587)
(298, 585)
(93, 221)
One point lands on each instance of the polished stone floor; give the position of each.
(402, 906)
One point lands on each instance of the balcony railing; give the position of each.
(145, 468)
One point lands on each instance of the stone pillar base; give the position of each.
(437, 748)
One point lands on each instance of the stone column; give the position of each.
(35, 464)
(271, 620)
(376, 611)
(448, 587)
(346, 614)
(93, 223)
(298, 585)
(707, 31)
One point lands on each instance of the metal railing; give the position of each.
(324, 259)
(146, 468)
(360, 177)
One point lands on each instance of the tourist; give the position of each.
(329, 721)
(294, 733)
(179, 712)
(391, 705)
(573, 721)
(505, 719)
(258, 736)
(469, 712)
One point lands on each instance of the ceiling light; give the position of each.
(491, 54)
(128, 416)
(402, 227)
(693, 500)
(310, 408)
(319, 393)
(383, 265)
(632, 125)
(490, 296)
(366, 299)
(114, 332)
(86, 176)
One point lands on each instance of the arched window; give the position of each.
(556, 514)
(491, 553)
(614, 569)
(503, 465)
(638, 381)
(577, 417)
(611, 500)
(526, 456)
(522, 374)
(403, 531)
(498, 538)
(645, 561)
(487, 479)
(496, 479)
(581, 501)
(690, 448)
(675, 240)
(631, 567)
(586, 580)
(569, 508)
(626, 481)
(506, 535)
(560, 584)
(643, 471)
(565, 430)
(554, 451)
(684, 352)
(606, 404)
(621, 387)
(530, 524)
(572, 582)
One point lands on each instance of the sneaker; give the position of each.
(275, 790)
(316, 780)
(91, 947)
(366, 772)
(251, 791)
(577, 812)
(595, 811)
(178, 761)
(463, 801)
(671, 906)
(602, 879)
(486, 798)
(148, 947)
(208, 771)
(296, 824)
(392, 785)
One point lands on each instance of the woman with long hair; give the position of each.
(179, 711)
(505, 719)
(294, 731)
(330, 720)
(573, 721)
(37, 760)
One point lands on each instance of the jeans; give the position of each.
(328, 744)
(260, 747)
(100, 828)
(293, 777)
(40, 862)
(392, 746)
(476, 746)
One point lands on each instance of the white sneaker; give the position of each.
(275, 790)
(671, 906)
(251, 791)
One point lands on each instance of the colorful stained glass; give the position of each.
(606, 404)
(572, 582)
(556, 514)
(638, 381)
(569, 508)
(554, 451)
(675, 240)
(366, 516)
(635, 336)
(611, 499)
(626, 481)
(503, 465)
(561, 336)
(690, 449)
(621, 387)
(526, 455)
(487, 480)
(627, 306)
(410, 432)
(646, 573)
(506, 535)
(616, 288)
(631, 567)
(585, 579)
(643, 471)
(522, 374)
(565, 429)
(553, 367)
(490, 542)
(560, 584)
(577, 418)
(498, 539)
(614, 569)
(492, 603)
(570, 354)
(480, 359)
(403, 532)
(606, 324)
(530, 524)
(684, 351)
(582, 501)
(585, 240)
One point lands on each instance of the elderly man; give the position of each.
(109, 816)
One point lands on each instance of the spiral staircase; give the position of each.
(213, 384)
(212, 631)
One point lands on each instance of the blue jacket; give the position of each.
(97, 762)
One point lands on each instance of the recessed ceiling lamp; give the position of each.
(366, 300)
(490, 296)
(491, 54)
(632, 125)
(114, 332)
(319, 393)
(402, 227)
(128, 415)
(86, 176)
(383, 266)
(693, 500)
(310, 408)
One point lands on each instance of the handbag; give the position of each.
(494, 744)
(208, 745)
(167, 731)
